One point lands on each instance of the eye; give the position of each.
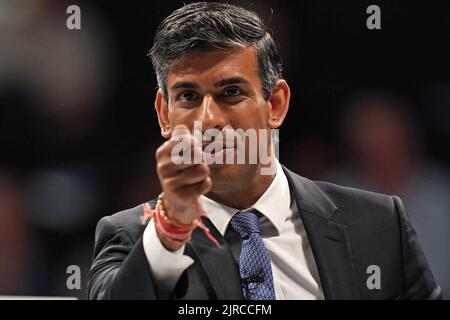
(232, 92)
(186, 96)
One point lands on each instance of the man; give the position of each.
(280, 236)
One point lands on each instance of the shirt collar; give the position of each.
(274, 204)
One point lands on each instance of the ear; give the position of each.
(162, 111)
(278, 103)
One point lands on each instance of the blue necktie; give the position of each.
(254, 261)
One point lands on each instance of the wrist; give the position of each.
(171, 234)
(178, 215)
(167, 242)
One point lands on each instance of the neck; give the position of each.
(245, 194)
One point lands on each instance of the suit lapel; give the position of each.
(328, 239)
(218, 263)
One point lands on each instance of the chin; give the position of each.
(225, 176)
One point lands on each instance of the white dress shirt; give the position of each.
(294, 269)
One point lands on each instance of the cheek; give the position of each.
(259, 122)
(255, 116)
(182, 116)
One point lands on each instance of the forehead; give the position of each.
(206, 68)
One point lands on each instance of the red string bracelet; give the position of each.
(172, 229)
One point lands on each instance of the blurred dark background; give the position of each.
(78, 132)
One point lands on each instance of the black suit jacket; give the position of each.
(348, 230)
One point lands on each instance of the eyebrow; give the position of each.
(185, 85)
(230, 81)
(220, 83)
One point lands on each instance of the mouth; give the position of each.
(216, 146)
(217, 152)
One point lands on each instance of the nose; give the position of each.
(212, 114)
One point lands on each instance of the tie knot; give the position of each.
(245, 223)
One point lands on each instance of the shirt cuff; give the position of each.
(166, 266)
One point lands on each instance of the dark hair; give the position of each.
(207, 26)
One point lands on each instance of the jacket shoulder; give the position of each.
(341, 194)
(128, 220)
(358, 206)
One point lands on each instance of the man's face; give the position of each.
(221, 89)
